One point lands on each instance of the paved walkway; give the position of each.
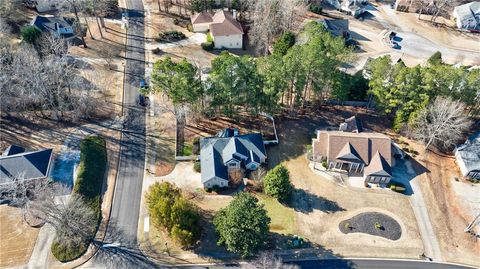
(39, 258)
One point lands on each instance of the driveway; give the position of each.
(404, 172)
(196, 38)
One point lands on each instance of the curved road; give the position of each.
(376, 264)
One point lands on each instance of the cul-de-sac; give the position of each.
(250, 134)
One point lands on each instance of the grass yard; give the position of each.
(282, 217)
(91, 171)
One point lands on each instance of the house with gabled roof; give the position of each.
(467, 16)
(467, 157)
(18, 164)
(60, 27)
(356, 151)
(223, 26)
(221, 155)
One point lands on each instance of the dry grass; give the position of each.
(17, 238)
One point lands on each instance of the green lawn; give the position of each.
(282, 217)
(89, 182)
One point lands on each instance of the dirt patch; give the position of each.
(449, 217)
(372, 223)
(245, 123)
(17, 238)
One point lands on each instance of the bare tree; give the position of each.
(267, 260)
(442, 123)
(270, 19)
(108, 52)
(51, 45)
(73, 220)
(21, 193)
(75, 6)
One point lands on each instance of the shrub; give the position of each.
(208, 46)
(209, 37)
(196, 145)
(315, 8)
(176, 21)
(190, 27)
(197, 167)
(170, 210)
(242, 226)
(324, 164)
(170, 36)
(378, 226)
(30, 34)
(157, 51)
(277, 183)
(89, 184)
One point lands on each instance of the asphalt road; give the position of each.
(122, 229)
(354, 264)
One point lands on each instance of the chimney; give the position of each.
(234, 13)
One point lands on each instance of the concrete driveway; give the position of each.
(196, 38)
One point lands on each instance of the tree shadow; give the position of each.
(305, 202)
(119, 250)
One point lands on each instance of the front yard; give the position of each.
(17, 237)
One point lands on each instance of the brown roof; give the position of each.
(202, 17)
(225, 24)
(378, 166)
(337, 145)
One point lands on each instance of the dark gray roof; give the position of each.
(216, 151)
(50, 24)
(470, 152)
(338, 27)
(27, 165)
(13, 149)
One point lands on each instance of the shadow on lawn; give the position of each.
(305, 202)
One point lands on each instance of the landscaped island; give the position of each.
(372, 223)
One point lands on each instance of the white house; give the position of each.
(468, 157)
(467, 16)
(353, 7)
(42, 5)
(224, 28)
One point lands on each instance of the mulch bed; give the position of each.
(365, 223)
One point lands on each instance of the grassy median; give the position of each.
(89, 182)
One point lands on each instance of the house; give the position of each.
(353, 7)
(468, 157)
(16, 163)
(337, 27)
(57, 26)
(467, 16)
(219, 156)
(42, 5)
(357, 151)
(223, 26)
(416, 6)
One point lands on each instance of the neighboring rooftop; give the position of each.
(470, 152)
(203, 17)
(215, 152)
(338, 27)
(25, 165)
(53, 24)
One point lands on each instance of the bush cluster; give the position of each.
(208, 46)
(170, 210)
(170, 36)
(315, 8)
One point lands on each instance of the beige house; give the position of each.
(355, 151)
(224, 28)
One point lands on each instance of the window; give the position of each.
(232, 164)
(208, 185)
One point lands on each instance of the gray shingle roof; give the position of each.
(12, 150)
(470, 152)
(27, 165)
(50, 24)
(216, 151)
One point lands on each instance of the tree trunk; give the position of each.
(96, 19)
(79, 24)
(88, 27)
(159, 6)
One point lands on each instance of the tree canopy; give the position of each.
(276, 183)
(242, 226)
